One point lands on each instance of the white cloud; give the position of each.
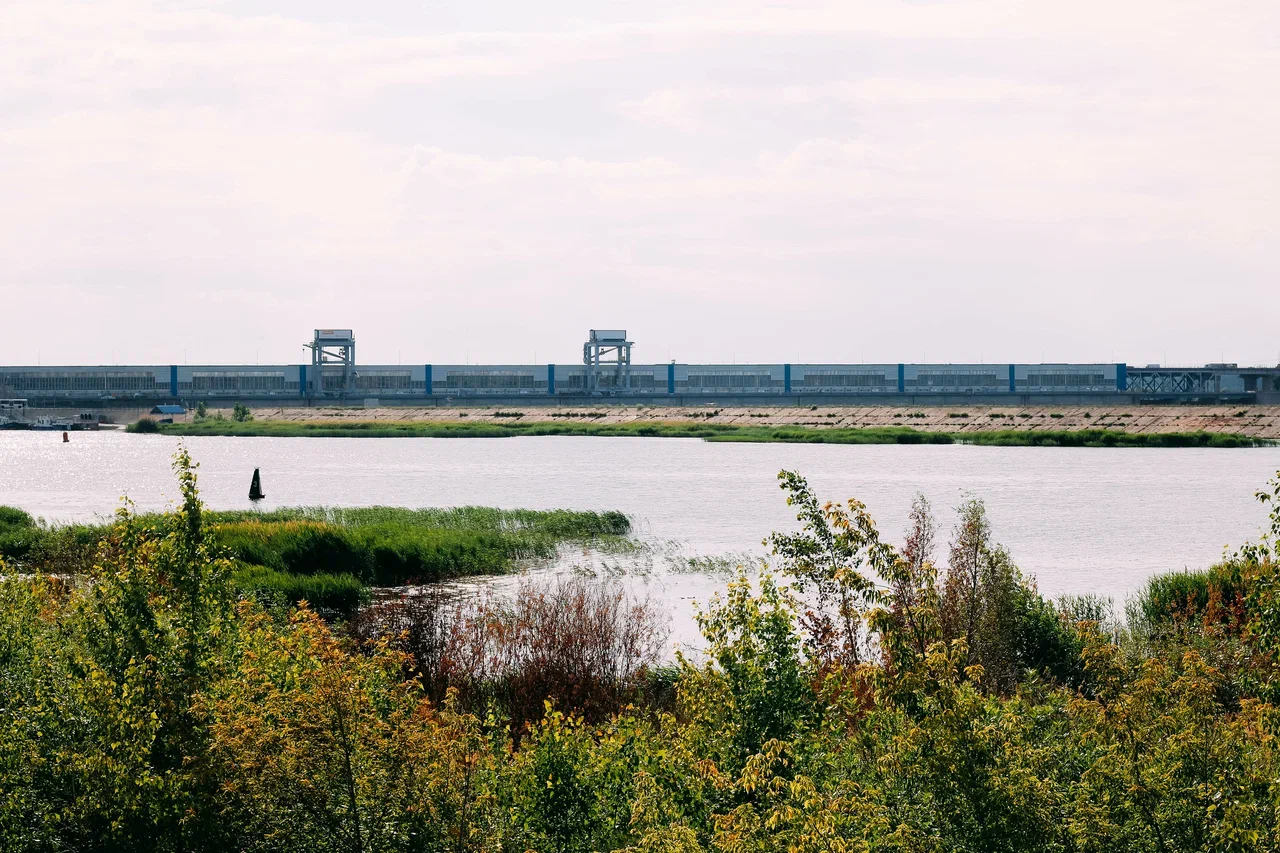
(658, 164)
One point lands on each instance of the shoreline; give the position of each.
(706, 430)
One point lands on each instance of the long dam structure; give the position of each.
(606, 373)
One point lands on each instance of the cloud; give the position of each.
(656, 160)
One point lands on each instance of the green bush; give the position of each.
(1178, 596)
(12, 518)
(145, 426)
(331, 594)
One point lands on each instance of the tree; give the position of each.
(241, 413)
(121, 679)
(908, 624)
(830, 556)
(752, 641)
(331, 750)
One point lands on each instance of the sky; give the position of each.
(486, 180)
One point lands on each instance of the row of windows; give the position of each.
(846, 380)
(947, 379)
(1064, 380)
(102, 382)
(387, 382)
(216, 382)
(497, 379)
(721, 380)
(639, 381)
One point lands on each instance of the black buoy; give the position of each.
(255, 487)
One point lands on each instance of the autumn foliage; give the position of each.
(860, 698)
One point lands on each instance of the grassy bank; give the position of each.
(331, 557)
(711, 432)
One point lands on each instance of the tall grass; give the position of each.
(329, 555)
(332, 595)
(569, 524)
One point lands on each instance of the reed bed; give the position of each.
(331, 556)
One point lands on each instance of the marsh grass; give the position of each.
(330, 556)
(331, 595)
(1111, 438)
(798, 434)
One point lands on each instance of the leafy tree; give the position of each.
(334, 751)
(831, 557)
(241, 413)
(753, 643)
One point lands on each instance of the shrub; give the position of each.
(144, 426)
(582, 642)
(1214, 595)
(241, 413)
(202, 411)
(18, 533)
(12, 518)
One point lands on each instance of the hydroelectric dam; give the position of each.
(607, 374)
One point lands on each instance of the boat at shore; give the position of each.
(48, 424)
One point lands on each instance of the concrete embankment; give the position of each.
(1252, 421)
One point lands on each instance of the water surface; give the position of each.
(1079, 519)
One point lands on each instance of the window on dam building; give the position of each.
(846, 379)
(1065, 380)
(236, 380)
(105, 381)
(728, 379)
(386, 380)
(493, 379)
(947, 379)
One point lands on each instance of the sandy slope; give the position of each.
(1257, 421)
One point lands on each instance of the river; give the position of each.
(1078, 519)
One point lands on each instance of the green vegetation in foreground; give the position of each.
(894, 707)
(330, 557)
(710, 432)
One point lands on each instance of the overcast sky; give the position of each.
(852, 181)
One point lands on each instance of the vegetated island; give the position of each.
(332, 557)
(482, 427)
